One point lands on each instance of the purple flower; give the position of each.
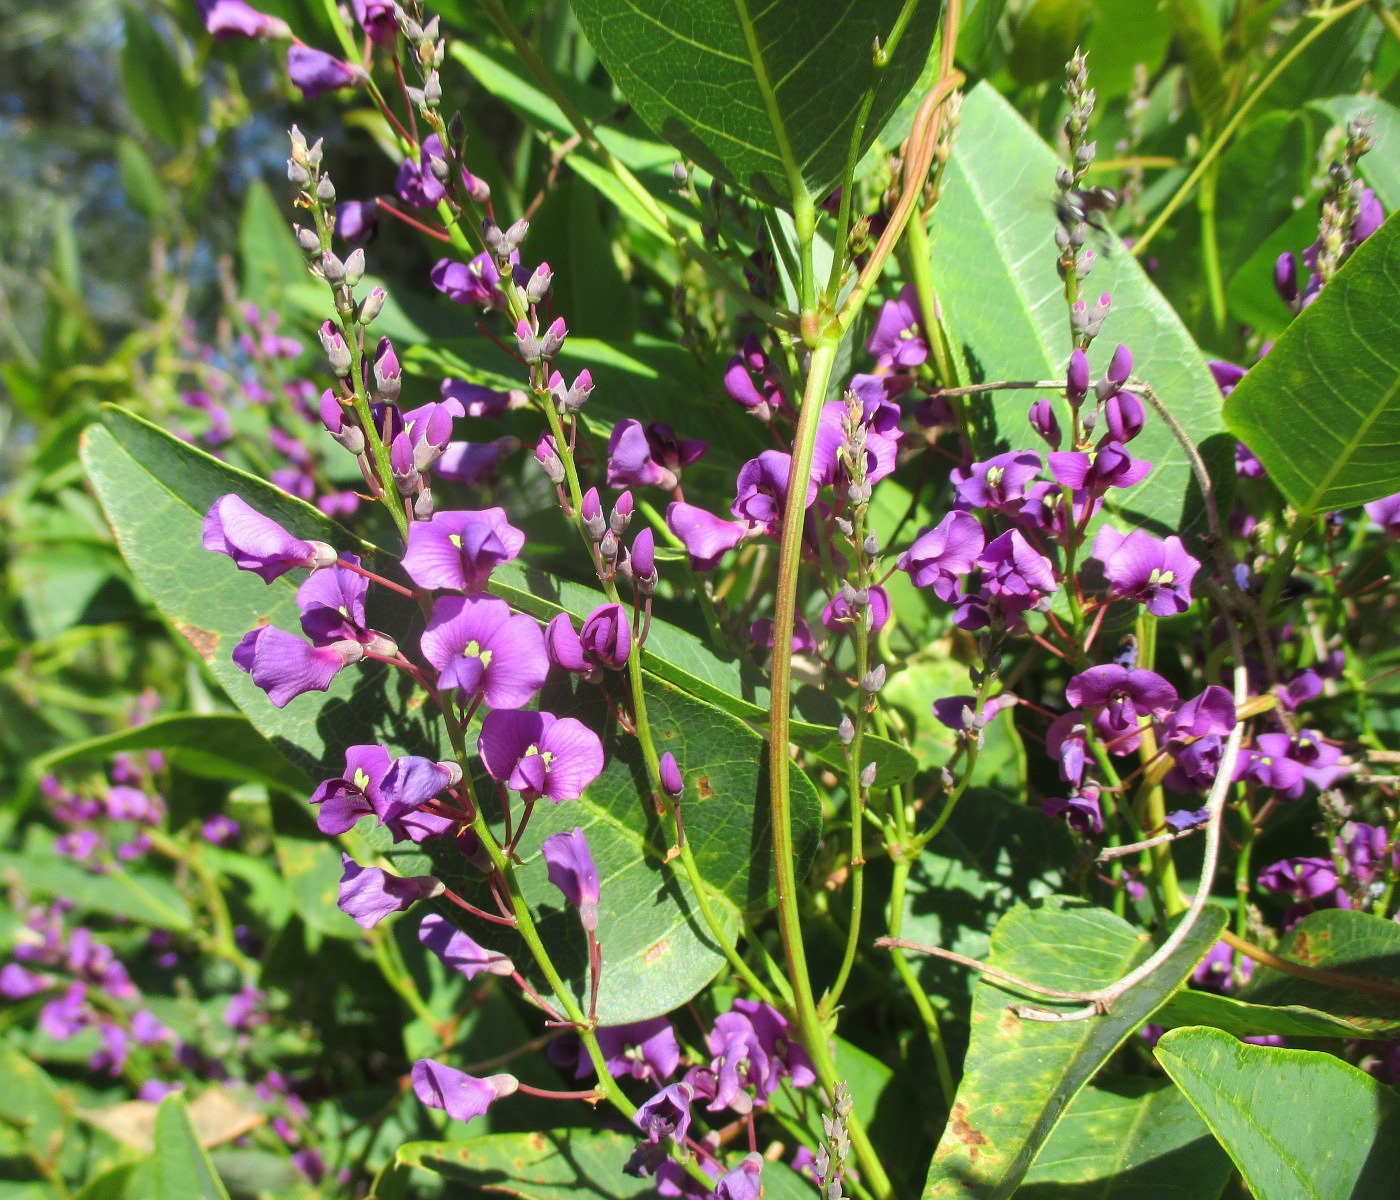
(332, 607)
(1364, 848)
(666, 1115)
(838, 615)
(1286, 764)
(67, 1014)
(476, 400)
(1301, 878)
(285, 666)
(642, 1050)
(257, 543)
(1370, 216)
(474, 463)
(1080, 810)
(761, 634)
(1094, 472)
(539, 754)
(1212, 712)
(459, 1095)
(753, 1049)
(1195, 765)
(606, 637)
(476, 282)
(368, 895)
(1141, 567)
(459, 550)
(1065, 742)
(744, 1182)
(459, 952)
(648, 456)
(572, 871)
(1386, 514)
(1015, 574)
(762, 489)
(953, 711)
(1221, 971)
(1045, 423)
(706, 537)
(219, 830)
(897, 340)
(1077, 376)
(416, 184)
(483, 649)
(829, 465)
(950, 549)
(753, 381)
(18, 984)
(234, 19)
(392, 790)
(999, 483)
(357, 221)
(245, 1009)
(561, 643)
(376, 18)
(1124, 416)
(1119, 698)
(315, 72)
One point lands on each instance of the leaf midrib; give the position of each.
(796, 186)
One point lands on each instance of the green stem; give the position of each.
(396, 975)
(932, 1029)
(1210, 250)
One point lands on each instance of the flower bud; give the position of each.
(345, 432)
(297, 175)
(552, 340)
(494, 239)
(846, 731)
(1123, 414)
(372, 305)
(423, 506)
(591, 514)
(432, 91)
(332, 269)
(873, 680)
(538, 286)
(527, 343)
(608, 546)
(1120, 366)
(1077, 377)
(1045, 423)
(325, 190)
(867, 775)
(621, 514)
(402, 465)
(672, 782)
(355, 267)
(1286, 277)
(548, 458)
(515, 235)
(337, 352)
(606, 636)
(308, 239)
(643, 561)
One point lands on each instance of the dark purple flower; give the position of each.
(539, 754)
(458, 1094)
(357, 221)
(1045, 423)
(1221, 971)
(1386, 514)
(672, 782)
(953, 711)
(368, 895)
(315, 72)
(642, 1050)
(483, 649)
(474, 463)
(1065, 742)
(1153, 572)
(1270, 763)
(999, 483)
(571, 869)
(606, 637)
(376, 18)
(950, 549)
(1364, 848)
(67, 1014)
(666, 1115)
(897, 339)
(460, 549)
(762, 489)
(285, 666)
(1195, 765)
(1080, 810)
(1319, 760)
(416, 184)
(761, 634)
(1299, 688)
(753, 1048)
(1212, 712)
(753, 381)
(706, 537)
(839, 615)
(1077, 376)
(234, 19)
(642, 561)
(1095, 471)
(476, 400)
(459, 952)
(744, 1182)
(1301, 878)
(1119, 698)
(561, 643)
(476, 282)
(332, 604)
(648, 455)
(1124, 416)
(1182, 819)
(1370, 216)
(1015, 574)
(257, 543)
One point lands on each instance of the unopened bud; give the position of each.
(432, 91)
(622, 514)
(325, 190)
(515, 235)
(494, 239)
(308, 239)
(332, 269)
(591, 514)
(548, 458)
(527, 343)
(297, 174)
(846, 731)
(537, 288)
(372, 305)
(867, 775)
(873, 680)
(337, 352)
(680, 174)
(672, 782)
(1077, 376)
(871, 545)
(423, 506)
(354, 267)
(552, 340)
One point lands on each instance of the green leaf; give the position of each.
(657, 949)
(764, 97)
(134, 894)
(310, 863)
(217, 746)
(1380, 167)
(268, 255)
(1298, 1124)
(156, 88)
(1199, 34)
(141, 182)
(1350, 943)
(1243, 1019)
(114, 1184)
(1136, 1142)
(182, 1168)
(32, 1104)
(1322, 410)
(1011, 318)
(1045, 37)
(1021, 1075)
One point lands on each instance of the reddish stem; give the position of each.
(373, 578)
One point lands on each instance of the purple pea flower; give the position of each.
(234, 19)
(753, 1049)
(882, 436)
(897, 339)
(953, 711)
(1386, 514)
(1363, 847)
(460, 549)
(666, 1115)
(1221, 971)
(606, 637)
(67, 1014)
(706, 537)
(459, 1095)
(572, 870)
(332, 607)
(1045, 423)
(357, 221)
(392, 790)
(950, 549)
(376, 18)
(1153, 572)
(1080, 810)
(368, 895)
(672, 781)
(642, 1050)
(476, 282)
(1094, 472)
(1195, 765)
(315, 72)
(1015, 574)
(1124, 416)
(285, 666)
(476, 400)
(1210, 713)
(416, 184)
(999, 483)
(761, 634)
(561, 643)
(1301, 878)
(474, 463)
(762, 489)
(1277, 761)
(1119, 698)
(649, 455)
(16, 983)
(753, 381)
(483, 649)
(257, 543)
(838, 615)
(219, 830)
(539, 754)
(459, 952)
(1065, 742)
(744, 1182)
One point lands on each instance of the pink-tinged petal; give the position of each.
(1069, 467)
(257, 543)
(458, 951)
(562, 644)
(460, 1095)
(1107, 541)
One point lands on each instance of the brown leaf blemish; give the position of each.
(960, 1128)
(205, 643)
(702, 785)
(657, 950)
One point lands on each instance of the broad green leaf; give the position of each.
(1199, 35)
(1299, 1125)
(1021, 1075)
(1250, 292)
(1132, 1143)
(762, 96)
(216, 746)
(1350, 943)
(1243, 1019)
(1322, 410)
(1010, 317)
(1380, 167)
(657, 949)
(1147, 28)
(155, 85)
(563, 1164)
(1260, 176)
(1045, 37)
(131, 893)
(182, 1167)
(32, 1104)
(114, 1184)
(270, 261)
